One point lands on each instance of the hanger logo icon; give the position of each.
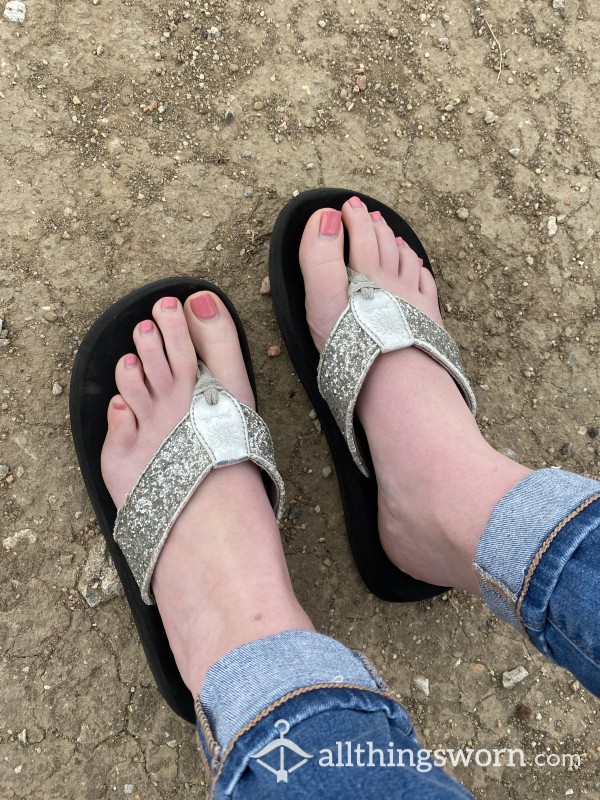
(285, 747)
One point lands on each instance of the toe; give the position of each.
(410, 266)
(364, 252)
(122, 427)
(215, 339)
(324, 272)
(129, 377)
(386, 244)
(168, 315)
(428, 288)
(149, 344)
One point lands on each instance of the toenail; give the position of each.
(119, 405)
(421, 262)
(376, 216)
(169, 303)
(147, 326)
(355, 202)
(131, 360)
(399, 240)
(204, 306)
(330, 223)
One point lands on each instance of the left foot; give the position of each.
(221, 579)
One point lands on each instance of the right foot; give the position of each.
(438, 479)
(221, 579)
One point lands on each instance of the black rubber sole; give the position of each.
(359, 494)
(92, 386)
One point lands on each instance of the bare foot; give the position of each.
(438, 478)
(221, 579)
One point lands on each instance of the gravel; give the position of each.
(513, 676)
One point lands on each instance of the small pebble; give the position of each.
(514, 152)
(249, 192)
(258, 105)
(489, 117)
(128, 788)
(229, 117)
(566, 450)
(20, 472)
(310, 165)
(57, 388)
(66, 236)
(4, 471)
(265, 286)
(247, 154)
(593, 432)
(76, 101)
(423, 685)
(552, 226)
(14, 11)
(462, 212)
(322, 23)
(326, 472)
(50, 316)
(393, 33)
(558, 4)
(510, 453)
(273, 351)
(234, 68)
(361, 82)
(513, 676)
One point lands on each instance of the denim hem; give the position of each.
(542, 551)
(216, 759)
(522, 526)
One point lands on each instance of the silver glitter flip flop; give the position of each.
(374, 322)
(218, 431)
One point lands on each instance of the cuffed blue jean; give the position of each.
(301, 709)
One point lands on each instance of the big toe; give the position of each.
(324, 272)
(216, 341)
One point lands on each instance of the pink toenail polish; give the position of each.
(399, 240)
(131, 360)
(355, 202)
(119, 404)
(376, 216)
(147, 326)
(169, 303)
(204, 306)
(330, 223)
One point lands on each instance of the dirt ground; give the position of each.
(140, 140)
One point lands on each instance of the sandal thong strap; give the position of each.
(375, 321)
(217, 431)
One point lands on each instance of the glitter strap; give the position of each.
(217, 431)
(375, 322)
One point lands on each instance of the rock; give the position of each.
(14, 11)
(422, 685)
(310, 165)
(566, 450)
(56, 389)
(273, 351)
(247, 154)
(393, 33)
(4, 471)
(552, 226)
(99, 581)
(258, 105)
(489, 117)
(326, 472)
(25, 535)
(234, 68)
(248, 192)
(558, 4)
(592, 432)
(462, 213)
(20, 472)
(514, 152)
(76, 101)
(50, 316)
(514, 676)
(265, 286)
(229, 117)
(361, 82)
(509, 453)
(322, 23)
(128, 788)
(294, 513)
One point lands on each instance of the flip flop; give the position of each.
(199, 439)
(333, 380)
